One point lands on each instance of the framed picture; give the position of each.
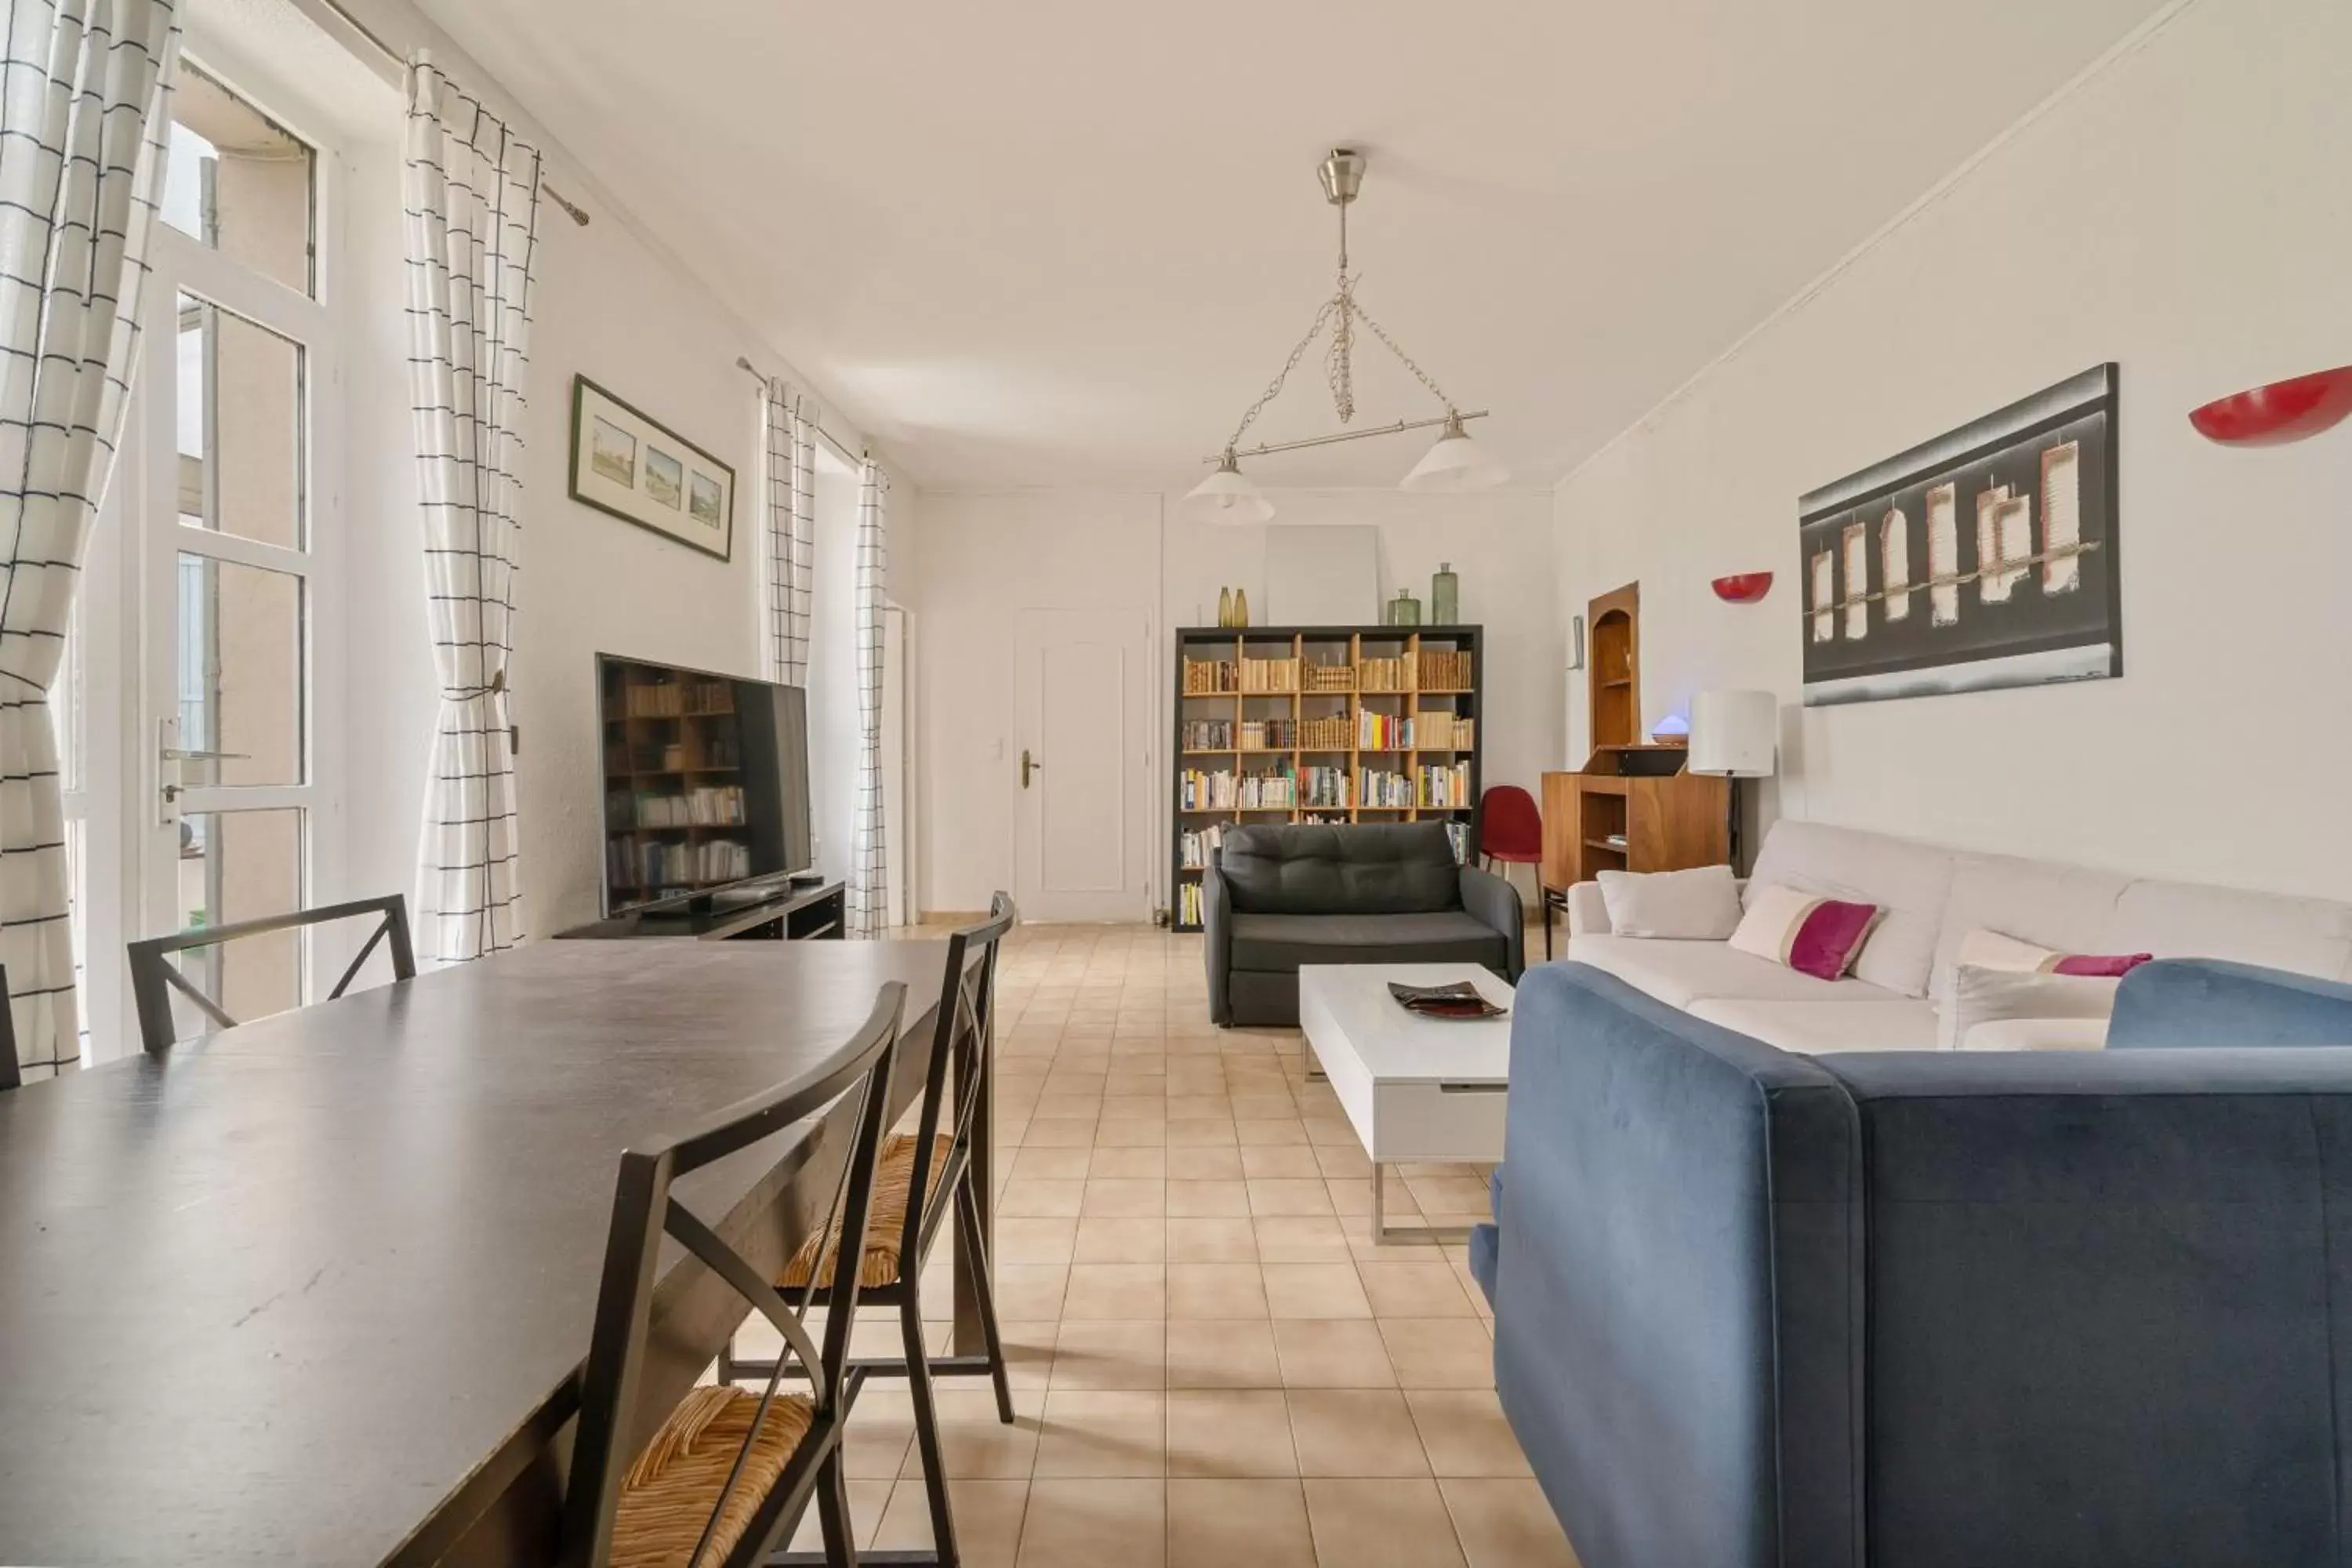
(1983, 559)
(626, 463)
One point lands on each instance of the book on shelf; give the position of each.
(1268, 734)
(1443, 787)
(1459, 834)
(1269, 675)
(648, 864)
(1323, 786)
(1188, 903)
(1435, 730)
(1203, 791)
(1196, 849)
(1381, 674)
(676, 698)
(708, 805)
(1209, 677)
(1446, 671)
(1208, 734)
(1329, 735)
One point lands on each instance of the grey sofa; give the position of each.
(1933, 1308)
(1281, 896)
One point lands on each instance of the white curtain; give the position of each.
(791, 530)
(471, 190)
(869, 857)
(83, 128)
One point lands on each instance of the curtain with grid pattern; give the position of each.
(870, 859)
(471, 194)
(791, 529)
(84, 122)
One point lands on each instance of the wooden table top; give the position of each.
(276, 1295)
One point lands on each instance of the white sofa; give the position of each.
(1934, 897)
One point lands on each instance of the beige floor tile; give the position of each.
(1111, 1354)
(1211, 1238)
(1265, 1162)
(1120, 1239)
(1288, 1197)
(1134, 1108)
(1507, 1524)
(1025, 1199)
(1052, 1165)
(1030, 1290)
(1331, 1131)
(1210, 1107)
(1204, 1162)
(1130, 1134)
(1355, 1432)
(974, 1443)
(1059, 1134)
(1280, 1130)
(1260, 1103)
(1326, 1352)
(1191, 1132)
(1343, 1162)
(987, 1519)
(1095, 1524)
(1090, 1432)
(1124, 1199)
(1028, 1350)
(868, 1500)
(1440, 1353)
(1315, 1291)
(1121, 1291)
(1238, 1524)
(1222, 1353)
(1066, 1107)
(1129, 1164)
(1217, 1290)
(1229, 1432)
(1381, 1524)
(1302, 1238)
(881, 1428)
(1197, 1200)
(1465, 1434)
(1024, 1240)
(1415, 1289)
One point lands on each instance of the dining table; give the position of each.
(317, 1288)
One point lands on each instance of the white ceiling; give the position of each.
(1067, 241)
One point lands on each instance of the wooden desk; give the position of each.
(317, 1290)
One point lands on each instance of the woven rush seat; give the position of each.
(668, 1493)
(894, 1181)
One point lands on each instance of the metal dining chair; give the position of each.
(154, 977)
(937, 1165)
(720, 1477)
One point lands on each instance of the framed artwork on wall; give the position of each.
(627, 463)
(1983, 559)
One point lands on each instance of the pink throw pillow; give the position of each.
(1811, 934)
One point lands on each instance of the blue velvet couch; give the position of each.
(1933, 1310)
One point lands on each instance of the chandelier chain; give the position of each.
(1407, 360)
(1274, 387)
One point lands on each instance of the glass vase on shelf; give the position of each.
(1445, 597)
(1241, 607)
(1405, 610)
(1224, 606)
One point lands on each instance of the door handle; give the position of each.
(1029, 764)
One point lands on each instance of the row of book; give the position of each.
(1188, 903)
(710, 805)
(1208, 734)
(1446, 671)
(676, 698)
(632, 863)
(1314, 788)
(1324, 734)
(1206, 678)
(1199, 791)
(1196, 848)
(1436, 731)
(1432, 785)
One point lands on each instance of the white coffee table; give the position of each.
(1414, 1088)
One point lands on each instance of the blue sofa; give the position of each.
(1933, 1310)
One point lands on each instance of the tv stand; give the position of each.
(772, 914)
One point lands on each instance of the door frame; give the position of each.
(1132, 902)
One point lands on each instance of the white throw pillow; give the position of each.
(1984, 996)
(1699, 905)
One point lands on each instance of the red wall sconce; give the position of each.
(1743, 587)
(2282, 411)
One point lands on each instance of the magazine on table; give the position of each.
(1459, 1000)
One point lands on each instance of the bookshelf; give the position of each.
(1369, 723)
(674, 816)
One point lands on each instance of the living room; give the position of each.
(755, 589)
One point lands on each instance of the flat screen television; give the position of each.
(706, 781)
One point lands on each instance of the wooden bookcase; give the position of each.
(1309, 724)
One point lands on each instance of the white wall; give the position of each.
(2185, 212)
(987, 556)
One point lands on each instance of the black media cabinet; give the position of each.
(757, 914)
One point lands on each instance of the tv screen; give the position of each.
(706, 780)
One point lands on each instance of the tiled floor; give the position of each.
(1214, 1365)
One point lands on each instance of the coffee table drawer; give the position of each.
(1438, 1120)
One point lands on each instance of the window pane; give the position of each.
(239, 183)
(240, 658)
(240, 426)
(241, 865)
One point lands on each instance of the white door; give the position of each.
(1083, 766)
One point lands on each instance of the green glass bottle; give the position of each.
(1445, 597)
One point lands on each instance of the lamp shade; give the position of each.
(1228, 495)
(1734, 734)
(1455, 463)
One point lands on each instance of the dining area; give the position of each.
(445, 1270)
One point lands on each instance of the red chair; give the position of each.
(1510, 830)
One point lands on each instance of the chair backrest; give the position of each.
(1321, 868)
(967, 1018)
(153, 975)
(614, 1419)
(11, 1075)
(1509, 822)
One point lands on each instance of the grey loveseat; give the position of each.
(1278, 896)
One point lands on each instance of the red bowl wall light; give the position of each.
(1743, 587)
(2282, 411)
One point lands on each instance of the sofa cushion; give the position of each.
(2037, 1034)
(2182, 919)
(1681, 973)
(1278, 942)
(1911, 882)
(1822, 1029)
(1310, 868)
(2063, 907)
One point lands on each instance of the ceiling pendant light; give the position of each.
(1455, 463)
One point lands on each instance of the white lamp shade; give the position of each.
(1734, 734)
(1455, 463)
(1228, 495)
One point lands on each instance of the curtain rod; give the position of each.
(397, 73)
(744, 362)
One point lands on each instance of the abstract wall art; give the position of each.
(2013, 519)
